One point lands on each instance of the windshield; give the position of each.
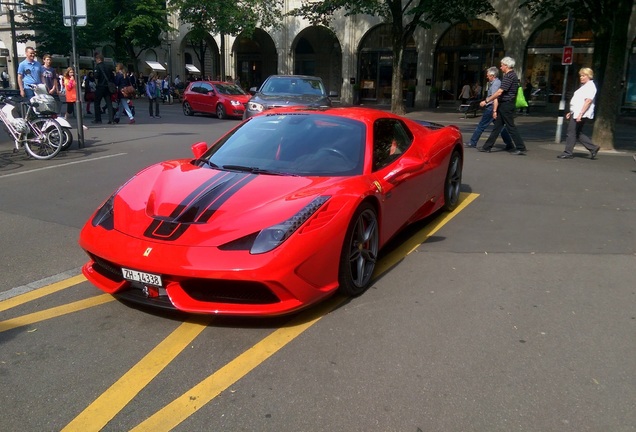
(294, 144)
(293, 85)
(229, 89)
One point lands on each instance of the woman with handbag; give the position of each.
(124, 92)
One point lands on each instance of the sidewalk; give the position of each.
(539, 128)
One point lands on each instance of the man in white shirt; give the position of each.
(581, 110)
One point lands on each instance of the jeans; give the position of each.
(486, 119)
(155, 102)
(123, 105)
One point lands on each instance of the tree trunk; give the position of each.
(609, 99)
(397, 42)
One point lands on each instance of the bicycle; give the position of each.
(41, 138)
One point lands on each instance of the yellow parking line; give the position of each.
(41, 292)
(198, 396)
(184, 406)
(113, 400)
(54, 312)
(414, 241)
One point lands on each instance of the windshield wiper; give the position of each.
(207, 162)
(255, 170)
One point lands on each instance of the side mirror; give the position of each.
(333, 94)
(406, 167)
(253, 90)
(211, 92)
(198, 149)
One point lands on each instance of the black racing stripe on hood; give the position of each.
(198, 206)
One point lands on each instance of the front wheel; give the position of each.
(453, 182)
(44, 140)
(220, 112)
(359, 252)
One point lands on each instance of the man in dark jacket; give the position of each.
(103, 75)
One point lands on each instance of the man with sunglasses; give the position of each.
(29, 72)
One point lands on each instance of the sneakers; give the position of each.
(467, 145)
(132, 121)
(518, 152)
(152, 116)
(483, 149)
(565, 156)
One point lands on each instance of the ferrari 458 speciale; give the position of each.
(284, 210)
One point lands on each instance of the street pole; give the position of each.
(14, 45)
(568, 40)
(78, 78)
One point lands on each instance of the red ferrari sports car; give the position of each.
(281, 212)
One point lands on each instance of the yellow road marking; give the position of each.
(41, 292)
(54, 312)
(198, 396)
(184, 406)
(414, 241)
(113, 400)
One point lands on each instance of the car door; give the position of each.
(194, 97)
(401, 172)
(208, 97)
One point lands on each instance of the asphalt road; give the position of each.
(515, 313)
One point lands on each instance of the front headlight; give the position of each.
(255, 106)
(235, 103)
(272, 237)
(104, 215)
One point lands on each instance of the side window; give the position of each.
(205, 88)
(195, 88)
(391, 138)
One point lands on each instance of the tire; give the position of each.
(187, 109)
(44, 140)
(220, 112)
(453, 182)
(359, 252)
(67, 139)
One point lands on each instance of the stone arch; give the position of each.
(462, 54)
(255, 58)
(203, 54)
(316, 51)
(375, 65)
(544, 54)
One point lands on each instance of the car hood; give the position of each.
(184, 204)
(282, 100)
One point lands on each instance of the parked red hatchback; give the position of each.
(225, 99)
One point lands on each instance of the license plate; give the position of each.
(143, 277)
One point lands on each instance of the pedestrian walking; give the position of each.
(504, 115)
(103, 76)
(581, 110)
(122, 80)
(492, 74)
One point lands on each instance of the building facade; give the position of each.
(354, 58)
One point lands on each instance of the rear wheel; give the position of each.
(359, 251)
(67, 139)
(44, 140)
(453, 182)
(220, 112)
(187, 109)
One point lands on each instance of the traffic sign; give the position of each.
(568, 54)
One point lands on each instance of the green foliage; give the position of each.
(228, 17)
(421, 13)
(50, 34)
(125, 24)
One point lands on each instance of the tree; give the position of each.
(228, 17)
(131, 26)
(404, 17)
(609, 21)
(45, 26)
(137, 26)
